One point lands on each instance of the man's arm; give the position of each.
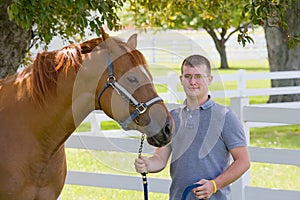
(240, 164)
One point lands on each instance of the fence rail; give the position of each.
(171, 81)
(283, 113)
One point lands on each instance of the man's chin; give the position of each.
(194, 92)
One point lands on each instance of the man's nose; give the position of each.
(193, 80)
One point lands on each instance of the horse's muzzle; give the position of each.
(164, 136)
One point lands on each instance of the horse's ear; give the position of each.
(104, 35)
(112, 45)
(132, 41)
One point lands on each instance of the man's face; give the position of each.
(195, 81)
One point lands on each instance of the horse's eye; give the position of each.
(132, 79)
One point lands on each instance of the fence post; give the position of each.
(238, 187)
(242, 83)
(153, 51)
(172, 87)
(95, 125)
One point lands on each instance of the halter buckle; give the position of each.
(141, 108)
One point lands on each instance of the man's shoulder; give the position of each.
(221, 108)
(176, 110)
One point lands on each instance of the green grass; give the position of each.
(262, 174)
(276, 137)
(275, 175)
(92, 193)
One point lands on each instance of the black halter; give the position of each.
(112, 82)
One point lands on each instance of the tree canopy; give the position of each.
(49, 18)
(221, 19)
(38, 21)
(277, 14)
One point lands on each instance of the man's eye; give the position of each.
(198, 76)
(187, 76)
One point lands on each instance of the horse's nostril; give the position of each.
(167, 130)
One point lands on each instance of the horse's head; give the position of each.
(126, 92)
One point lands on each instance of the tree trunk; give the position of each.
(223, 54)
(14, 43)
(281, 57)
(220, 46)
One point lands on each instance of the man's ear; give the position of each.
(132, 41)
(180, 78)
(210, 79)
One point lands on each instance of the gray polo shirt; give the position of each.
(201, 144)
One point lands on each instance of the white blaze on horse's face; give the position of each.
(145, 72)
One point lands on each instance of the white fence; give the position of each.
(250, 115)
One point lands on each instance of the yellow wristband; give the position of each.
(215, 186)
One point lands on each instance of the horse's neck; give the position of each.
(73, 100)
(76, 91)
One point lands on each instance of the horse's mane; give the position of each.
(48, 65)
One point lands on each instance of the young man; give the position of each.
(206, 134)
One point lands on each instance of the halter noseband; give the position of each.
(140, 107)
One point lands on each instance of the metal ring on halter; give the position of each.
(111, 79)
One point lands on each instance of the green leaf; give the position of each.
(249, 39)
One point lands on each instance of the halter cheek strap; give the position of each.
(140, 107)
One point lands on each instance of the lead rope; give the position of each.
(144, 177)
(188, 189)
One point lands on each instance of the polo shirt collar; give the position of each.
(209, 103)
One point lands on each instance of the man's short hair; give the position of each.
(196, 60)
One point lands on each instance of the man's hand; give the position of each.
(141, 164)
(205, 190)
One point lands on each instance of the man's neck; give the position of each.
(194, 103)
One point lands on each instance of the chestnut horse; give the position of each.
(41, 107)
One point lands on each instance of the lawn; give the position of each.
(262, 174)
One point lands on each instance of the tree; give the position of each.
(281, 21)
(36, 22)
(24, 23)
(14, 43)
(217, 17)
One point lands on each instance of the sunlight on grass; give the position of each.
(276, 137)
(275, 176)
(72, 192)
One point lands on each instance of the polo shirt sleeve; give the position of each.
(233, 132)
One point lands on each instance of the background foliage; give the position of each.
(66, 19)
